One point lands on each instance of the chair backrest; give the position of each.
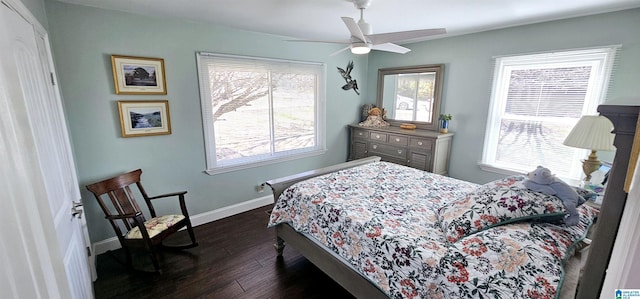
(116, 199)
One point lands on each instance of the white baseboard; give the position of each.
(199, 219)
(231, 210)
(105, 245)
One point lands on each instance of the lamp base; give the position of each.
(590, 165)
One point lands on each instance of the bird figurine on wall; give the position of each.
(346, 74)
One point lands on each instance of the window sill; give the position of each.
(499, 169)
(219, 170)
(510, 171)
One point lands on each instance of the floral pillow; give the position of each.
(499, 202)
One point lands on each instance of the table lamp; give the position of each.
(592, 132)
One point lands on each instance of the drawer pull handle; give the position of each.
(399, 151)
(419, 142)
(378, 136)
(375, 147)
(397, 139)
(360, 133)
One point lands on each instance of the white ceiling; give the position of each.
(320, 19)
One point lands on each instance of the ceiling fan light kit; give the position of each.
(360, 48)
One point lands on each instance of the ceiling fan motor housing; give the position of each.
(361, 4)
(365, 27)
(363, 40)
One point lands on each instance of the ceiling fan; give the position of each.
(363, 40)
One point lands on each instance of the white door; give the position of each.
(36, 148)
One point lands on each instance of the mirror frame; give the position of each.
(437, 92)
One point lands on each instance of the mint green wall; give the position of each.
(83, 39)
(37, 9)
(468, 71)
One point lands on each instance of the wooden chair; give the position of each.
(132, 228)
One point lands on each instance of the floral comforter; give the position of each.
(384, 219)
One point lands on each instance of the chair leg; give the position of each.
(129, 258)
(154, 259)
(191, 234)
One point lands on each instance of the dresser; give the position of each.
(421, 149)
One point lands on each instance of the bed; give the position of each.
(383, 230)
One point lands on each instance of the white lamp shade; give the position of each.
(592, 132)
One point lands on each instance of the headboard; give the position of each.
(624, 119)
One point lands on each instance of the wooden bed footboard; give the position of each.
(327, 261)
(279, 185)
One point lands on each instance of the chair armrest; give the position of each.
(180, 195)
(125, 216)
(168, 195)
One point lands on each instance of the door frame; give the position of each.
(33, 263)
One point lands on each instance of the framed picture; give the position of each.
(138, 75)
(144, 118)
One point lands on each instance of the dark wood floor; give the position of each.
(235, 259)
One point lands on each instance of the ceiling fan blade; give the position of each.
(346, 42)
(394, 37)
(354, 29)
(339, 51)
(389, 47)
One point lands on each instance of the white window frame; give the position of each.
(213, 166)
(601, 58)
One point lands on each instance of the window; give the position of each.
(536, 101)
(258, 111)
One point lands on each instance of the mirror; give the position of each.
(411, 94)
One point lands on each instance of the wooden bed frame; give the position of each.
(328, 261)
(624, 119)
(335, 266)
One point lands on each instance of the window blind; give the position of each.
(249, 110)
(536, 98)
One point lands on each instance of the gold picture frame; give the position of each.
(138, 75)
(144, 118)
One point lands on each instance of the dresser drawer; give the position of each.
(396, 152)
(425, 144)
(377, 136)
(421, 149)
(398, 140)
(358, 133)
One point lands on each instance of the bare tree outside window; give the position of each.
(536, 101)
(534, 125)
(259, 113)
